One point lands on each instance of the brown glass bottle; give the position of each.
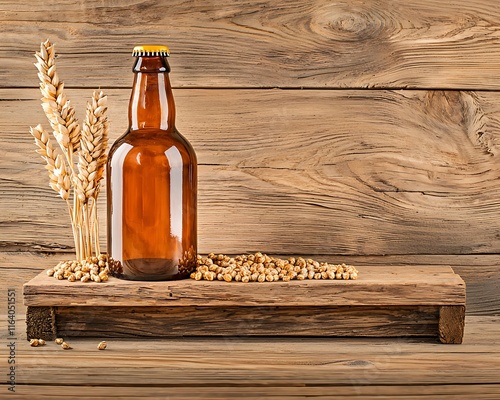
(152, 181)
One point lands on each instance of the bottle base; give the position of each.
(152, 269)
(153, 278)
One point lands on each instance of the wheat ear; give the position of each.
(94, 141)
(56, 106)
(55, 164)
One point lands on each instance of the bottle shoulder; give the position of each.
(152, 142)
(153, 139)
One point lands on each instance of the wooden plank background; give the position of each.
(357, 131)
(254, 369)
(264, 43)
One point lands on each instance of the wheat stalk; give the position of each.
(58, 173)
(57, 107)
(91, 162)
(89, 143)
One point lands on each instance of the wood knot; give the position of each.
(463, 111)
(350, 26)
(445, 106)
(359, 363)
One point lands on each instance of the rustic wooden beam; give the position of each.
(282, 321)
(376, 286)
(402, 302)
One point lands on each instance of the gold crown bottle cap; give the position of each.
(150, 51)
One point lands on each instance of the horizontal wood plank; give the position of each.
(309, 369)
(480, 272)
(342, 172)
(478, 334)
(246, 362)
(361, 367)
(392, 392)
(374, 287)
(283, 320)
(323, 44)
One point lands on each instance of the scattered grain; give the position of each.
(102, 345)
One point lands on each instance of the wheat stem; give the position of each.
(74, 229)
(95, 232)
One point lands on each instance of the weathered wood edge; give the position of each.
(41, 323)
(286, 321)
(451, 324)
(435, 289)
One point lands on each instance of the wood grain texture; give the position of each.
(399, 301)
(268, 43)
(41, 323)
(324, 321)
(246, 362)
(451, 324)
(374, 287)
(330, 172)
(345, 174)
(392, 392)
(281, 368)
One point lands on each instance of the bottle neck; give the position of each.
(151, 102)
